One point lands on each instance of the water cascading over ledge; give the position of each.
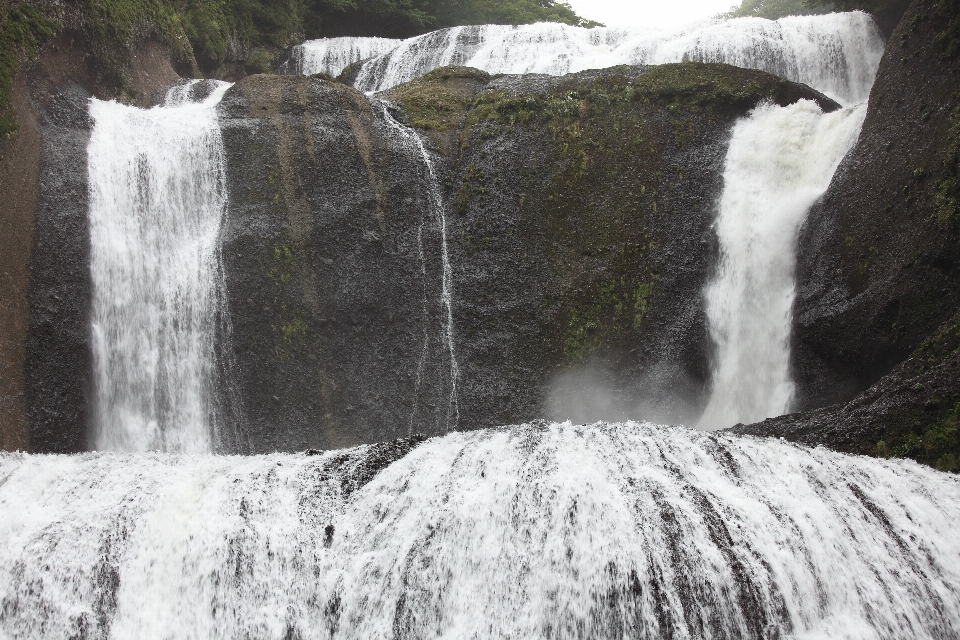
(780, 160)
(535, 531)
(836, 53)
(157, 199)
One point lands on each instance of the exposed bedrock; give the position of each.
(44, 260)
(879, 265)
(578, 213)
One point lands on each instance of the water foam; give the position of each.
(332, 55)
(157, 197)
(837, 53)
(534, 531)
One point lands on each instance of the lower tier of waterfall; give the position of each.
(535, 531)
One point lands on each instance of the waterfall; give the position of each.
(332, 55)
(446, 278)
(780, 160)
(157, 197)
(837, 54)
(535, 531)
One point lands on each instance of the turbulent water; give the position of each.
(837, 54)
(780, 160)
(537, 531)
(157, 197)
(332, 55)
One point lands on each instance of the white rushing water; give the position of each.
(411, 137)
(332, 55)
(157, 197)
(538, 531)
(837, 54)
(779, 162)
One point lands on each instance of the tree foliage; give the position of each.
(214, 25)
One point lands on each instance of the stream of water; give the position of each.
(157, 198)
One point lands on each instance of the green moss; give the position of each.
(946, 198)
(281, 264)
(938, 347)
(937, 445)
(611, 305)
(439, 100)
(474, 185)
(23, 30)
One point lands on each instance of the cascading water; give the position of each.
(537, 531)
(332, 55)
(157, 197)
(837, 54)
(446, 278)
(780, 160)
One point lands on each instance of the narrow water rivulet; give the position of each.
(157, 198)
(451, 418)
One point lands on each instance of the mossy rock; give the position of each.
(439, 100)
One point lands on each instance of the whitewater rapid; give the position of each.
(535, 531)
(779, 162)
(837, 54)
(157, 198)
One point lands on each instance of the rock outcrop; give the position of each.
(578, 213)
(879, 261)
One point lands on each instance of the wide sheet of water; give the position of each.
(536, 531)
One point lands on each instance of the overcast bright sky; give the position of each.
(653, 13)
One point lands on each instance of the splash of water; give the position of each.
(536, 531)
(779, 162)
(446, 284)
(837, 54)
(157, 197)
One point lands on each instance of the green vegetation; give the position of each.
(610, 304)
(438, 100)
(937, 445)
(22, 30)
(773, 9)
(946, 198)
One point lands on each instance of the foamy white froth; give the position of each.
(332, 55)
(549, 531)
(780, 160)
(837, 54)
(157, 196)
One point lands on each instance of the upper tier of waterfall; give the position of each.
(837, 54)
(157, 197)
(332, 55)
(536, 531)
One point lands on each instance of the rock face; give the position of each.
(577, 213)
(44, 262)
(879, 255)
(875, 335)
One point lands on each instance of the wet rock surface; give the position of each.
(577, 212)
(879, 259)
